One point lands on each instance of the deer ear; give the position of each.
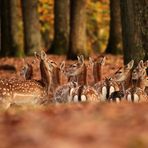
(141, 64)
(62, 65)
(80, 58)
(43, 55)
(102, 61)
(91, 61)
(146, 64)
(130, 64)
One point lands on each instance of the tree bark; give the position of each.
(134, 29)
(61, 27)
(0, 24)
(77, 41)
(115, 35)
(32, 35)
(5, 28)
(16, 48)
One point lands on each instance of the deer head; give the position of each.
(75, 71)
(27, 71)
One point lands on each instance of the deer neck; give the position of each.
(45, 76)
(82, 78)
(142, 83)
(29, 73)
(128, 82)
(97, 72)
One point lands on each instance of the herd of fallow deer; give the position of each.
(127, 83)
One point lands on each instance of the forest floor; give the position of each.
(89, 125)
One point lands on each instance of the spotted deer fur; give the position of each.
(25, 92)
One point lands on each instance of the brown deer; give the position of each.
(50, 77)
(25, 92)
(85, 93)
(63, 94)
(27, 71)
(137, 93)
(75, 72)
(80, 91)
(123, 76)
(104, 87)
(97, 66)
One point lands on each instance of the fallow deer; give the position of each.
(81, 91)
(85, 93)
(25, 92)
(137, 92)
(123, 76)
(63, 94)
(75, 72)
(27, 71)
(51, 76)
(104, 87)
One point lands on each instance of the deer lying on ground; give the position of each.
(137, 93)
(63, 93)
(104, 87)
(123, 77)
(26, 92)
(80, 91)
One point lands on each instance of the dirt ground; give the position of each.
(102, 125)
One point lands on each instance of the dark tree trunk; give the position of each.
(77, 43)
(0, 24)
(135, 29)
(61, 27)
(115, 35)
(14, 27)
(5, 28)
(32, 35)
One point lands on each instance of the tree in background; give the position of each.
(16, 48)
(5, 28)
(134, 16)
(115, 35)
(61, 27)
(32, 35)
(77, 40)
(0, 25)
(11, 45)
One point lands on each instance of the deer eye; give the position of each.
(118, 72)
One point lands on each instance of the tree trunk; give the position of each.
(0, 24)
(16, 48)
(115, 38)
(77, 43)
(32, 35)
(134, 29)
(5, 30)
(61, 27)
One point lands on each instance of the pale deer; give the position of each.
(63, 94)
(25, 92)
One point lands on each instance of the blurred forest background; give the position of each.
(75, 27)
